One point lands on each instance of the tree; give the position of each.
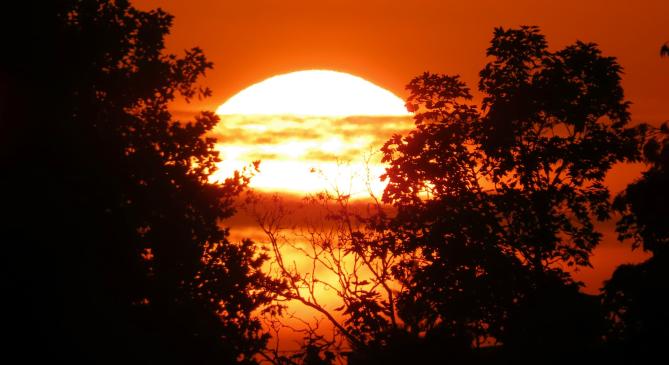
(498, 200)
(114, 239)
(636, 296)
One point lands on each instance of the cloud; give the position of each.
(289, 147)
(329, 138)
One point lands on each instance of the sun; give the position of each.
(312, 130)
(314, 93)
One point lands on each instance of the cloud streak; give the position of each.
(343, 150)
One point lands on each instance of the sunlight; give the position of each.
(311, 130)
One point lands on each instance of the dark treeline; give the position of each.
(114, 251)
(111, 242)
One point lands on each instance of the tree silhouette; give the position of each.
(114, 246)
(490, 206)
(636, 296)
(499, 200)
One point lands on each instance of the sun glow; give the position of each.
(311, 130)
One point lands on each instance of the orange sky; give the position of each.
(390, 41)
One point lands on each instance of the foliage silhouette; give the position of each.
(499, 200)
(114, 246)
(636, 296)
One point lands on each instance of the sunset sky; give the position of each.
(389, 42)
(321, 182)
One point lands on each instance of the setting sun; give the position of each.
(312, 130)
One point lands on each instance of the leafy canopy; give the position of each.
(498, 199)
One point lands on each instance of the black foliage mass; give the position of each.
(495, 201)
(113, 250)
(636, 297)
